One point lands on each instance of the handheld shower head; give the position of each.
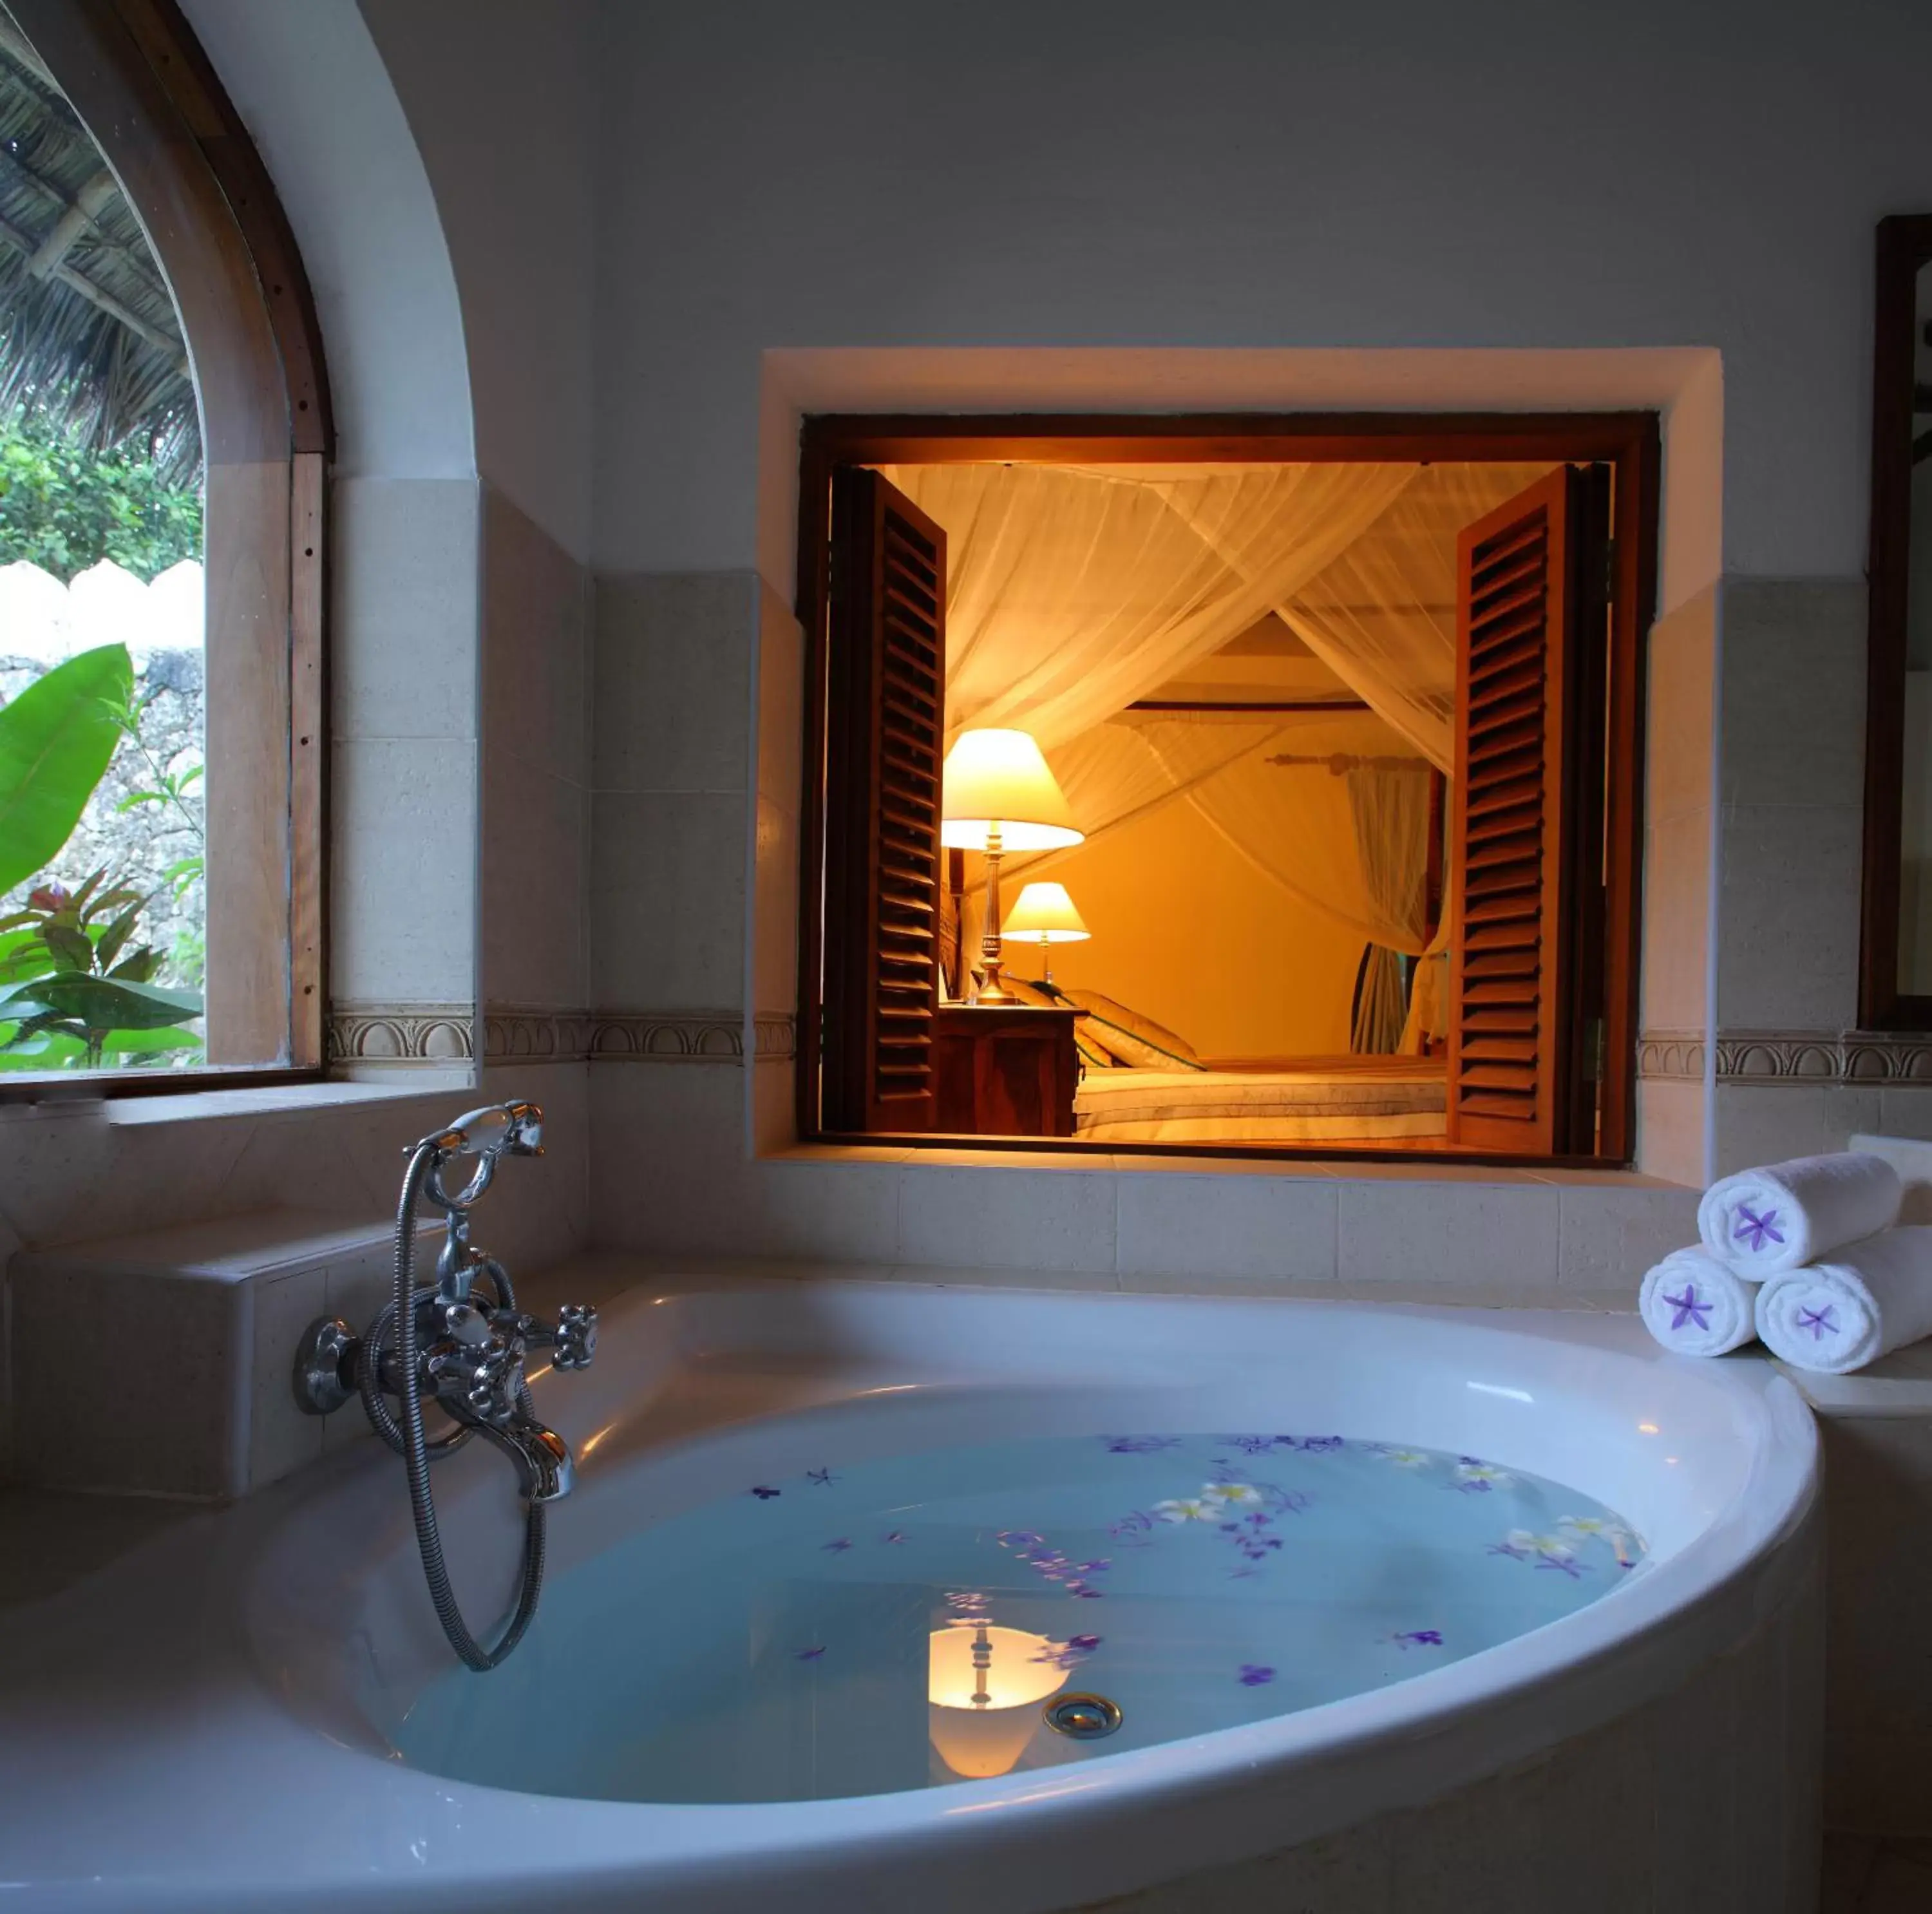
(490, 1134)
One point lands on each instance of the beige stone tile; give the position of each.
(281, 1437)
(669, 1163)
(1905, 1110)
(1767, 1123)
(1230, 1228)
(828, 1211)
(1608, 1237)
(159, 1406)
(1680, 703)
(536, 647)
(1483, 1235)
(1675, 976)
(1788, 917)
(667, 900)
(1670, 1129)
(403, 608)
(1794, 692)
(72, 1176)
(402, 889)
(1005, 1218)
(534, 926)
(1288, 1168)
(673, 696)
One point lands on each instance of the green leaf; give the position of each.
(116, 935)
(70, 948)
(55, 741)
(100, 1003)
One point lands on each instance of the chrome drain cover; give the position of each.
(1082, 1717)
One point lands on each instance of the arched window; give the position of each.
(163, 403)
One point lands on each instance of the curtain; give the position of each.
(1389, 810)
(1382, 615)
(1072, 592)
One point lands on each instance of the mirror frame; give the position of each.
(1904, 245)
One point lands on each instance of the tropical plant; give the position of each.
(75, 986)
(69, 982)
(65, 505)
(56, 739)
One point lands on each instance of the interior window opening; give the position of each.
(1267, 804)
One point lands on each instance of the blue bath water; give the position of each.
(778, 1644)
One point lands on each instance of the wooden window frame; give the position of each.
(1904, 245)
(134, 73)
(1629, 443)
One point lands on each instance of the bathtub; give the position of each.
(208, 1726)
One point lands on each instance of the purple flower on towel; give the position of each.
(1753, 1228)
(1690, 1307)
(1820, 1322)
(1253, 1675)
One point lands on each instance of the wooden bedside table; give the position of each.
(1006, 1069)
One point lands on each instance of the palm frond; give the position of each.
(91, 338)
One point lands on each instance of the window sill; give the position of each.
(190, 1105)
(1311, 1169)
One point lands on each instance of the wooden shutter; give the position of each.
(886, 725)
(1529, 648)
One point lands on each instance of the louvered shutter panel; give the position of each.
(885, 739)
(1521, 612)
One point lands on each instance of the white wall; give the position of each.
(499, 94)
(1243, 174)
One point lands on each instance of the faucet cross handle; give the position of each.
(574, 1341)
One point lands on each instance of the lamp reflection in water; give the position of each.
(986, 1687)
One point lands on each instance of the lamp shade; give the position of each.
(1045, 912)
(984, 1693)
(997, 779)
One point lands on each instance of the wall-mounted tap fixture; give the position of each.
(461, 1343)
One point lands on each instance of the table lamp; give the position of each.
(1046, 912)
(998, 796)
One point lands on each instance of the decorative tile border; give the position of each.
(519, 1033)
(1802, 1058)
(402, 1034)
(443, 1034)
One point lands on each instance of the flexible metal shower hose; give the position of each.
(408, 1439)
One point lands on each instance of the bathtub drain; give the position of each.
(1082, 1717)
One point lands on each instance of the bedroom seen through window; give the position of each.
(1272, 802)
(159, 626)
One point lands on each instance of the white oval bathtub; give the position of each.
(209, 1726)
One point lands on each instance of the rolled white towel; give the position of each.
(1763, 1221)
(1838, 1315)
(1693, 1303)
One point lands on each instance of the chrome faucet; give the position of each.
(451, 1343)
